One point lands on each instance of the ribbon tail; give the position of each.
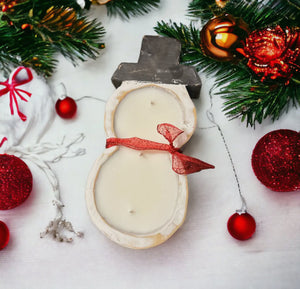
(185, 165)
(137, 144)
(22, 116)
(13, 99)
(18, 92)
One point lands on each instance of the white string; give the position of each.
(80, 98)
(91, 97)
(211, 118)
(40, 155)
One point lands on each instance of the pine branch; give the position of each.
(203, 9)
(33, 31)
(73, 36)
(127, 9)
(38, 54)
(191, 53)
(244, 94)
(254, 101)
(255, 13)
(258, 14)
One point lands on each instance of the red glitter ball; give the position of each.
(15, 182)
(4, 235)
(66, 108)
(241, 226)
(276, 160)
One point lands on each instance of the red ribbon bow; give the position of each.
(11, 84)
(181, 164)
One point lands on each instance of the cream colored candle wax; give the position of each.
(134, 197)
(137, 191)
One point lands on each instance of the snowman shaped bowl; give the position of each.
(137, 190)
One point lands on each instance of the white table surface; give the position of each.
(201, 254)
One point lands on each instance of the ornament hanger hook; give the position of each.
(64, 89)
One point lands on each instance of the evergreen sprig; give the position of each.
(247, 97)
(256, 13)
(244, 94)
(33, 31)
(127, 9)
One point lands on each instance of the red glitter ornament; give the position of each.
(276, 160)
(272, 52)
(15, 182)
(241, 226)
(66, 108)
(4, 235)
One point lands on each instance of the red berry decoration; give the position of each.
(66, 108)
(272, 52)
(276, 160)
(4, 235)
(241, 226)
(15, 182)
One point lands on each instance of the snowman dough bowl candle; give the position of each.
(133, 194)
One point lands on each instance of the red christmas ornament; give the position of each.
(241, 226)
(15, 182)
(66, 108)
(272, 52)
(4, 235)
(276, 160)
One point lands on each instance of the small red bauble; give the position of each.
(66, 108)
(241, 226)
(4, 235)
(15, 182)
(276, 160)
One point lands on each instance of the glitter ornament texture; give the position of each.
(273, 52)
(276, 160)
(241, 226)
(66, 108)
(4, 235)
(15, 182)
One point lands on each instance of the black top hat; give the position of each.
(159, 62)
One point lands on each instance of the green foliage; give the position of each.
(256, 13)
(247, 97)
(126, 9)
(244, 94)
(203, 9)
(191, 53)
(33, 31)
